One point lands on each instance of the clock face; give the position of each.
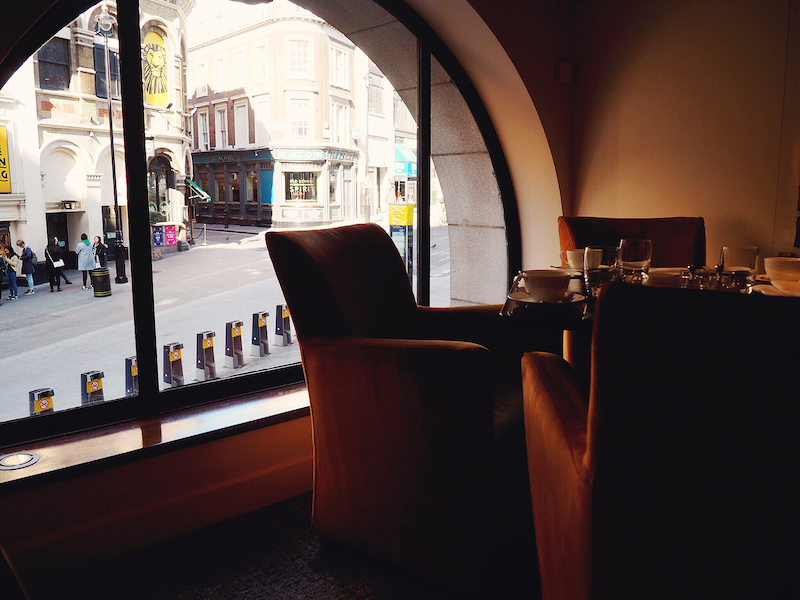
(155, 70)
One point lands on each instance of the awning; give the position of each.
(405, 161)
(196, 192)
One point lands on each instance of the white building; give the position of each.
(290, 119)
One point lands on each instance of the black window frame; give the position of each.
(151, 400)
(100, 68)
(54, 63)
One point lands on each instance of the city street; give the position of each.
(50, 339)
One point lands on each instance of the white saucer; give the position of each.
(569, 298)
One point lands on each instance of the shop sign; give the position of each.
(170, 237)
(5, 165)
(309, 154)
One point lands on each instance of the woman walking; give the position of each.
(99, 252)
(85, 260)
(12, 264)
(54, 264)
(28, 268)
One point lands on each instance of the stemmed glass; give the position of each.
(633, 259)
(599, 264)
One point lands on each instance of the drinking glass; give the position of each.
(598, 267)
(739, 259)
(633, 259)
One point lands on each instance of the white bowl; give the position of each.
(782, 268)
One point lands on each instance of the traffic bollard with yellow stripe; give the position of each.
(206, 365)
(173, 365)
(131, 376)
(234, 355)
(41, 401)
(260, 339)
(283, 330)
(91, 387)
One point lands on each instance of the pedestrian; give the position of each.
(12, 264)
(28, 268)
(85, 260)
(63, 275)
(99, 252)
(54, 264)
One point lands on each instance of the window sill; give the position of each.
(79, 453)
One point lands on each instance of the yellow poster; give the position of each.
(5, 165)
(401, 214)
(155, 70)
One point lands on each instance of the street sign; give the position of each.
(367, 183)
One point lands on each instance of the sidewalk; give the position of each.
(49, 339)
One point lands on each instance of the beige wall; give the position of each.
(679, 109)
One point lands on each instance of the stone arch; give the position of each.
(484, 227)
(64, 168)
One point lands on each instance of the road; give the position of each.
(50, 339)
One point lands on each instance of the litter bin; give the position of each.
(101, 282)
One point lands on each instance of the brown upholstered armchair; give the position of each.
(675, 478)
(419, 444)
(677, 241)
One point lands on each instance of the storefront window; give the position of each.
(301, 186)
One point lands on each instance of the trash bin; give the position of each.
(101, 282)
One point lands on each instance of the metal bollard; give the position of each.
(206, 365)
(41, 401)
(91, 387)
(260, 339)
(234, 356)
(131, 376)
(173, 366)
(283, 329)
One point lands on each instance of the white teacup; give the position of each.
(543, 285)
(574, 258)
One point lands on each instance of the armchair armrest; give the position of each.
(556, 414)
(402, 449)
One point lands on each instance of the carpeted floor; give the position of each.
(268, 554)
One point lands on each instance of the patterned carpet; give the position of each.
(268, 554)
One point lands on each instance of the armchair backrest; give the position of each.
(692, 440)
(677, 241)
(343, 281)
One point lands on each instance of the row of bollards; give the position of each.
(41, 400)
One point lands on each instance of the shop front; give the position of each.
(313, 187)
(238, 184)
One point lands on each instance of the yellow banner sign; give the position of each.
(5, 165)
(155, 70)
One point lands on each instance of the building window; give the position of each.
(299, 60)
(201, 73)
(54, 73)
(202, 130)
(340, 67)
(301, 186)
(375, 88)
(260, 64)
(221, 126)
(299, 117)
(241, 123)
(339, 121)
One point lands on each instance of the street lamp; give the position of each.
(105, 23)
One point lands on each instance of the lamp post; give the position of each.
(105, 23)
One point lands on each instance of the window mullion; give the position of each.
(138, 214)
(423, 176)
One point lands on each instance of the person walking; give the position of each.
(12, 264)
(54, 264)
(85, 260)
(28, 268)
(99, 252)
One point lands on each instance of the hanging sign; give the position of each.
(5, 166)
(155, 70)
